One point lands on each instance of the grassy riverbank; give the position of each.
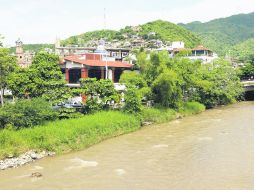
(75, 134)
(66, 135)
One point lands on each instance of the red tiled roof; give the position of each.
(200, 48)
(97, 63)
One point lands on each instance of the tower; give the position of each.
(19, 52)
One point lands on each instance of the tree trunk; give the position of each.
(2, 96)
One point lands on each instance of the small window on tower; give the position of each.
(20, 57)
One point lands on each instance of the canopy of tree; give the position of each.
(175, 81)
(43, 79)
(7, 66)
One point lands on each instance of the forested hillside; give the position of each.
(163, 30)
(221, 34)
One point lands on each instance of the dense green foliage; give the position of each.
(67, 135)
(244, 51)
(43, 79)
(175, 81)
(7, 67)
(133, 78)
(167, 90)
(132, 101)
(165, 31)
(26, 113)
(99, 93)
(221, 34)
(95, 35)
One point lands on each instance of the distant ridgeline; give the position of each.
(34, 47)
(158, 30)
(221, 34)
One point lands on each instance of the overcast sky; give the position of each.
(41, 21)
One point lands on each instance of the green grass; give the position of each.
(75, 134)
(67, 135)
(192, 108)
(158, 115)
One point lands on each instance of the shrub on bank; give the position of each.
(26, 113)
(157, 115)
(66, 135)
(191, 108)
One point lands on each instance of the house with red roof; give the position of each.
(93, 65)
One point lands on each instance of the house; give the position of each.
(201, 53)
(98, 65)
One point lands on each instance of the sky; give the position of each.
(42, 21)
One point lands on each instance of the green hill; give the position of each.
(244, 51)
(86, 37)
(164, 31)
(221, 34)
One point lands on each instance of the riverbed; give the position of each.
(210, 151)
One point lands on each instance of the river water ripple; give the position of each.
(210, 151)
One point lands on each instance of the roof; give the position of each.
(181, 49)
(200, 48)
(97, 63)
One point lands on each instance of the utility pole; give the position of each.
(105, 25)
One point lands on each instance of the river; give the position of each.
(210, 151)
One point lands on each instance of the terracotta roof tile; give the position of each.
(97, 63)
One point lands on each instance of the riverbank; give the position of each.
(75, 134)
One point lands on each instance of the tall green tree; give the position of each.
(99, 93)
(43, 79)
(166, 89)
(7, 67)
(218, 84)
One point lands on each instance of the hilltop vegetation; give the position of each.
(86, 37)
(244, 51)
(170, 32)
(163, 30)
(221, 34)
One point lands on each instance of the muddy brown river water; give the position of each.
(210, 151)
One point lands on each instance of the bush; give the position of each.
(132, 101)
(166, 90)
(157, 115)
(190, 108)
(26, 113)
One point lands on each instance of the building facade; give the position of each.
(24, 58)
